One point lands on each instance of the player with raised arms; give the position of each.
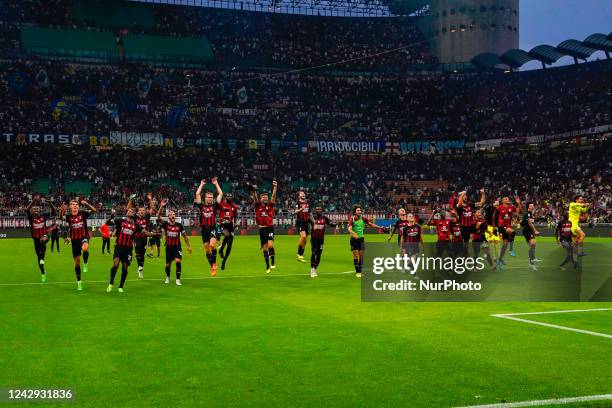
(38, 231)
(79, 236)
(173, 230)
(530, 233)
(143, 219)
(228, 214)
(443, 229)
(356, 227)
(302, 224)
(264, 217)
(576, 209)
(208, 221)
(503, 217)
(127, 230)
(399, 225)
(317, 238)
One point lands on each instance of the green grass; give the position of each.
(246, 339)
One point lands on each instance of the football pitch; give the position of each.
(283, 340)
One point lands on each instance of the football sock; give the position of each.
(77, 270)
(85, 256)
(168, 271)
(267, 259)
(300, 250)
(124, 274)
(113, 274)
(213, 256)
(178, 270)
(271, 253)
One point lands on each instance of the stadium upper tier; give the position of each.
(54, 97)
(134, 32)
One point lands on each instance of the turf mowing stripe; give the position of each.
(159, 279)
(553, 312)
(539, 403)
(511, 316)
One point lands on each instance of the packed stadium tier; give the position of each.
(234, 37)
(94, 100)
(108, 176)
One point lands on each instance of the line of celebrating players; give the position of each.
(484, 224)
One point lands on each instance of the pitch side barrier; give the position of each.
(18, 226)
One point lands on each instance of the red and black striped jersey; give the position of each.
(173, 233)
(443, 227)
(466, 215)
(126, 230)
(38, 224)
(144, 223)
(412, 233)
(456, 232)
(479, 234)
(228, 212)
(208, 215)
(505, 214)
(565, 230)
(78, 225)
(318, 227)
(264, 214)
(399, 227)
(304, 215)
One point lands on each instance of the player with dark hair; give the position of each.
(530, 233)
(264, 216)
(356, 227)
(576, 209)
(443, 228)
(317, 238)
(399, 225)
(79, 236)
(38, 231)
(126, 231)
(173, 230)
(302, 224)
(55, 234)
(479, 238)
(411, 240)
(155, 240)
(503, 217)
(563, 235)
(143, 219)
(456, 236)
(228, 214)
(208, 221)
(465, 211)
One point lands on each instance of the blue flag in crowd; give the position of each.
(175, 116)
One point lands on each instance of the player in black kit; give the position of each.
(530, 232)
(317, 239)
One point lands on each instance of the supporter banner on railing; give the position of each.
(386, 147)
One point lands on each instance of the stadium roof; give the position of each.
(547, 54)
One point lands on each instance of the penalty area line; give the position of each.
(539, 403)
(512, 316)
(194, 279)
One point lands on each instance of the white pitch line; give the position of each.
(539, 403)
(161, 280)
(511, 316)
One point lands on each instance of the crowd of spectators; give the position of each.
(307, 106)
(255, 38)
(548, 177)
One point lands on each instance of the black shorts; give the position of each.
(317, 244)
(229, 227)
(77, 246)
(411, 248)
(208, 234)
(123, 253)
(357, 244)
(266, 234)
(506, 236)
(40, 246)
(566, 243)
(173, 252)
(529, 235)
(302, 226)
(155, 241)
(140, 245)
(467, 231)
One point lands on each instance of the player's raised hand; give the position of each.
(517, 198)
(149, 196)
(202, 182)
(164, 202)
(214, 181)
(274, 183)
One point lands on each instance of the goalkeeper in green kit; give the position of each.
(356, 226)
